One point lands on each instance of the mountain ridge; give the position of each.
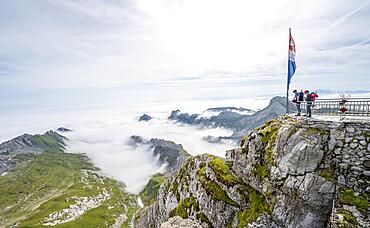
(48, 187)
(238, 123)
(287, 173)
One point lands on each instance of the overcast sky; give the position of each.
(62, 50)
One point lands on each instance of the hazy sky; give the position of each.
(58, 58)
(59, 51)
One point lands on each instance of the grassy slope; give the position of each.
(44, 183)
(149, 193)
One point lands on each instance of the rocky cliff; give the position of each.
(287, 173)
(235, 119)
(174, 155)
(169, 153)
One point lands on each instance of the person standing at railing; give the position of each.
(298, 98)
(314, 96)
(308, 98)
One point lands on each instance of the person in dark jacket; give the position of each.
(308, 99)
(298, 98)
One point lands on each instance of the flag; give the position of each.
(291, 58)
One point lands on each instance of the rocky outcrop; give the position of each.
(75, 211)
(287, 173)
(178, 222)
(168, 152)
(145, 117)
(27, 144)
(63, 129)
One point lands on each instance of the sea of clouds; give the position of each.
(103, 133)
(108, 145)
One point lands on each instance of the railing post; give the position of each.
(354, 106)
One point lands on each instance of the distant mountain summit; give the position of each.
(145, 117)
(27, 144)
(232, 119)
(63, 129)
(169, 152)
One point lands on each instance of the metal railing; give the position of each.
(340, 107)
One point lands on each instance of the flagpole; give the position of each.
(287, 87)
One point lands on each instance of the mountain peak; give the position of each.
(28, 144)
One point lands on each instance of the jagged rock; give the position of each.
(178, 222)
(145, 117)
(169, 152)
(63, 129)
(228, 118)
(198, 192)
(27, 144)
(76, 210)
(284, 175)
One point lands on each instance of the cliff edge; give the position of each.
(287, 173)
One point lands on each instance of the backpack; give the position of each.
(301, 95)
(314, 96)
(309, 97)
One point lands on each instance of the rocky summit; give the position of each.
(145, 117)
(168, 152)
(26, 144)
(287, 173)
(234, 119)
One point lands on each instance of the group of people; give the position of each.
(306, 96)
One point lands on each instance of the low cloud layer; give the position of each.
(103, 134)
(109, 148)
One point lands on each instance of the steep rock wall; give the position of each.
(288, 173)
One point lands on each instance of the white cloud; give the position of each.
(104, 44)
(105, 140)
(103, 134)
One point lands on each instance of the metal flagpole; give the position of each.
(287, 87)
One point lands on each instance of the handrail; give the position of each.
(340, 107)
(348, 99)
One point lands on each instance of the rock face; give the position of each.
(287, 173)
(178, 222)
(145, 117)
(234, 119)
(169, 152)
(26, 144)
